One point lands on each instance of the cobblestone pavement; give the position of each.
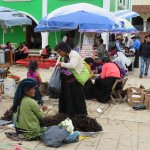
(123, 128)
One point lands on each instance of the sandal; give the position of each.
(13, 136)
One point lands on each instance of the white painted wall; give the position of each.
(105, 37)
(44, 34)
(141, 2)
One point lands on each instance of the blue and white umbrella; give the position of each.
(82, 15)
(125, 14)
(125, 27)
(10, 17)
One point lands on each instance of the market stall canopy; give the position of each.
(125, 14)
(125, 27)
(82, 16)
(10, 17)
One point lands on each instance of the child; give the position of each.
(33, 73)
(88, 86)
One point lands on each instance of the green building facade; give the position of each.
(36, 9)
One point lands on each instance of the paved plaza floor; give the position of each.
(123, 128)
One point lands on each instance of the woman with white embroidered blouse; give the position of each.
(72, 99)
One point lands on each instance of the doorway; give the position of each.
(33, 40)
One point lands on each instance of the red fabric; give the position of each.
(44, 65)
(44, 52)
(110, 70)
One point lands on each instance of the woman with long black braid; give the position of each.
(26, 111)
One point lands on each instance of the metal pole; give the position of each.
(80, 42)
(3, 36)
(55, 38)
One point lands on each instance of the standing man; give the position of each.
(136, 46)
(118, 43)
(144, 53)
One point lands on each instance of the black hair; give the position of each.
(105, 60)
(7, 43)
(47, 46)
(20, 45)
(89, 60)
(101, 41)
(134, 37)
(127, 48)
(32, 66)
(24, 93)
(63, 46)
(25, 43)
(113, 47)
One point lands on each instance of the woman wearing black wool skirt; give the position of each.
(103, 85)
(73, 76)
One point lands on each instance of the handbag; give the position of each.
(83, 76)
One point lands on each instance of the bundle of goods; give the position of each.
(80, 122)
(8, 114)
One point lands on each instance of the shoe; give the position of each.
(145, 74)
(140, 76)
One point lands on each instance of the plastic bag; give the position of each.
(54, 86)
(54, 136)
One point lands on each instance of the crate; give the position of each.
(135, 96)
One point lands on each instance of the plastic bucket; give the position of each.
(9, 87)
(2, 56)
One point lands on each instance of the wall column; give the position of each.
(105, 37)
(144, 25)
(44, 13)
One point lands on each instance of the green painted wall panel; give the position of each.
(16, 36)
(112, 5)
(60, 3)
(33, 8)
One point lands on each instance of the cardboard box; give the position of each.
(132, 101)
(134, 90)
(146, 95)
(135, 96)
(147, 101)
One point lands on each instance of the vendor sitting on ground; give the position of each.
(8, 46)
(17, 52)
(88, 86)
(26, 111)
(24, 51)
(103, 85)
(46, 53)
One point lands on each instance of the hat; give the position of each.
(119, 38)
(133, 37)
